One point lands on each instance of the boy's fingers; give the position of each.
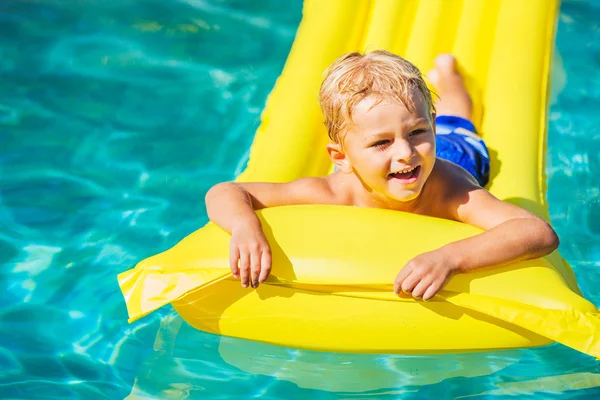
(254, 267)
(402, 275)
(234, 256)
(409, 283)
(420, 288)
(431, 291)
(265, 263)
(244, 268)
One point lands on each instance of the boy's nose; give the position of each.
(403, 151)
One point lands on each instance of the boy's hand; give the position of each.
(424, 275)
(250, 247)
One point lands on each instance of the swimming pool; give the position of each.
(116, 117)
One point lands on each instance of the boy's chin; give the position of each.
(406, 198)
(405, 193)
(403, 197)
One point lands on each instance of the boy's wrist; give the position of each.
(454, 257)
(246, 221)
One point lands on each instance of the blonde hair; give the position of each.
(354, 76)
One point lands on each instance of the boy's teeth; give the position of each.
(404, 171)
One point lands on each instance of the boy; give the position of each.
(382, 124)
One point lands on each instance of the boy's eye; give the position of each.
(417, 132)
(380, 143)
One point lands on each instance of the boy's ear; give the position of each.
(339, 158)
(433, 115)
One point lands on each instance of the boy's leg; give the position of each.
(453, 98)
(457, 140)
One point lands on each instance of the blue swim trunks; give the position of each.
(457, 142)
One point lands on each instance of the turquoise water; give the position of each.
(117, 116)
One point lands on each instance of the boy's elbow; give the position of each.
(213, 197)
(210, 194)
(216, 190)
(554, 240)
(551, 240)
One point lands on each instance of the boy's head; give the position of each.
(379, 74)
(379, 114)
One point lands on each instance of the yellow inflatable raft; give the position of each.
(331, 284)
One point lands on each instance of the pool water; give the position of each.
(115, 119)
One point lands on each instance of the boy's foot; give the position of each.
(453, 96)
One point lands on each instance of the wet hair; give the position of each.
(355, 76)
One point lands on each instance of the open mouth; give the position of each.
(408, 175)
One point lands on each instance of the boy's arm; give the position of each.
(511, 234)
(231, 205)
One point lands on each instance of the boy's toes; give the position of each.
(445, 64)
(434, 77)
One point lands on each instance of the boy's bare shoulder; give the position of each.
(316, 190)
(454, 176)
(332, 189)
(340, 188)
(462, 199)
(448, 187)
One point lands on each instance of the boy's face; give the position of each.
(390, 148)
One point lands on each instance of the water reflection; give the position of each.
(187, 362)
